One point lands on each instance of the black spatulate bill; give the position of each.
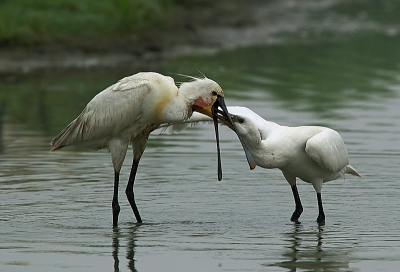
(215, 119)
(225, 117)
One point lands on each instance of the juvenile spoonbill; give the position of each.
(314, 154)
(128, 111)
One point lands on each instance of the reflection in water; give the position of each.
(2, 109)
(353, 77)
(43, 112)
(130, 248)
(306, 251)
(115, 245)
(305, 77)
(302, 77)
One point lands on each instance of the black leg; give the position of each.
(299, 208)
(115, 206)
(321, 214)
(129, 190)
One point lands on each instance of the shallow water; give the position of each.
(56, 207)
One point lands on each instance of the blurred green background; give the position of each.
(313, 56)
(101, 25)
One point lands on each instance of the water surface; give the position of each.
(56, 207)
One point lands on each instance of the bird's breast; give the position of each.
(160, 105)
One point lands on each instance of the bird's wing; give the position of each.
(328, 150)
(107, 114)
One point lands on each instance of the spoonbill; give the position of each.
(314, 154)
(128, 111)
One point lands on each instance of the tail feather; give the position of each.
(352, 171)
(64, 138)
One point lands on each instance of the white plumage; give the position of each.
(314, 154)
(128, 111)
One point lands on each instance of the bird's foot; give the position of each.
(115, 210)
(296, 215)
(321, 219)
(294, 218)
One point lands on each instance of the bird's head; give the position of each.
(202, 93)
(206, 94)
(208, 99)
(248, 129)
(242, 124)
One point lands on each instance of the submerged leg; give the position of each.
(321, 214)
(299, 208)
(117, 149)
(115, 206)
(129, 190)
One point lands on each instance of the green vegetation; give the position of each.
(29, 23)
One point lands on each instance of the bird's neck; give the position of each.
(178, 109)
(262, 151)
(267, 128)
(252, 141)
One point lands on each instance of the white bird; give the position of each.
(128, 111)
(314, 154)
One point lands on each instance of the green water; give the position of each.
(56, 207)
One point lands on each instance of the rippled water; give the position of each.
(56, 206)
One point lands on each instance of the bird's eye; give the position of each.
(240, 120)
(214, 93)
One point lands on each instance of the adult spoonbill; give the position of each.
(314, 154)
(128, 111)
